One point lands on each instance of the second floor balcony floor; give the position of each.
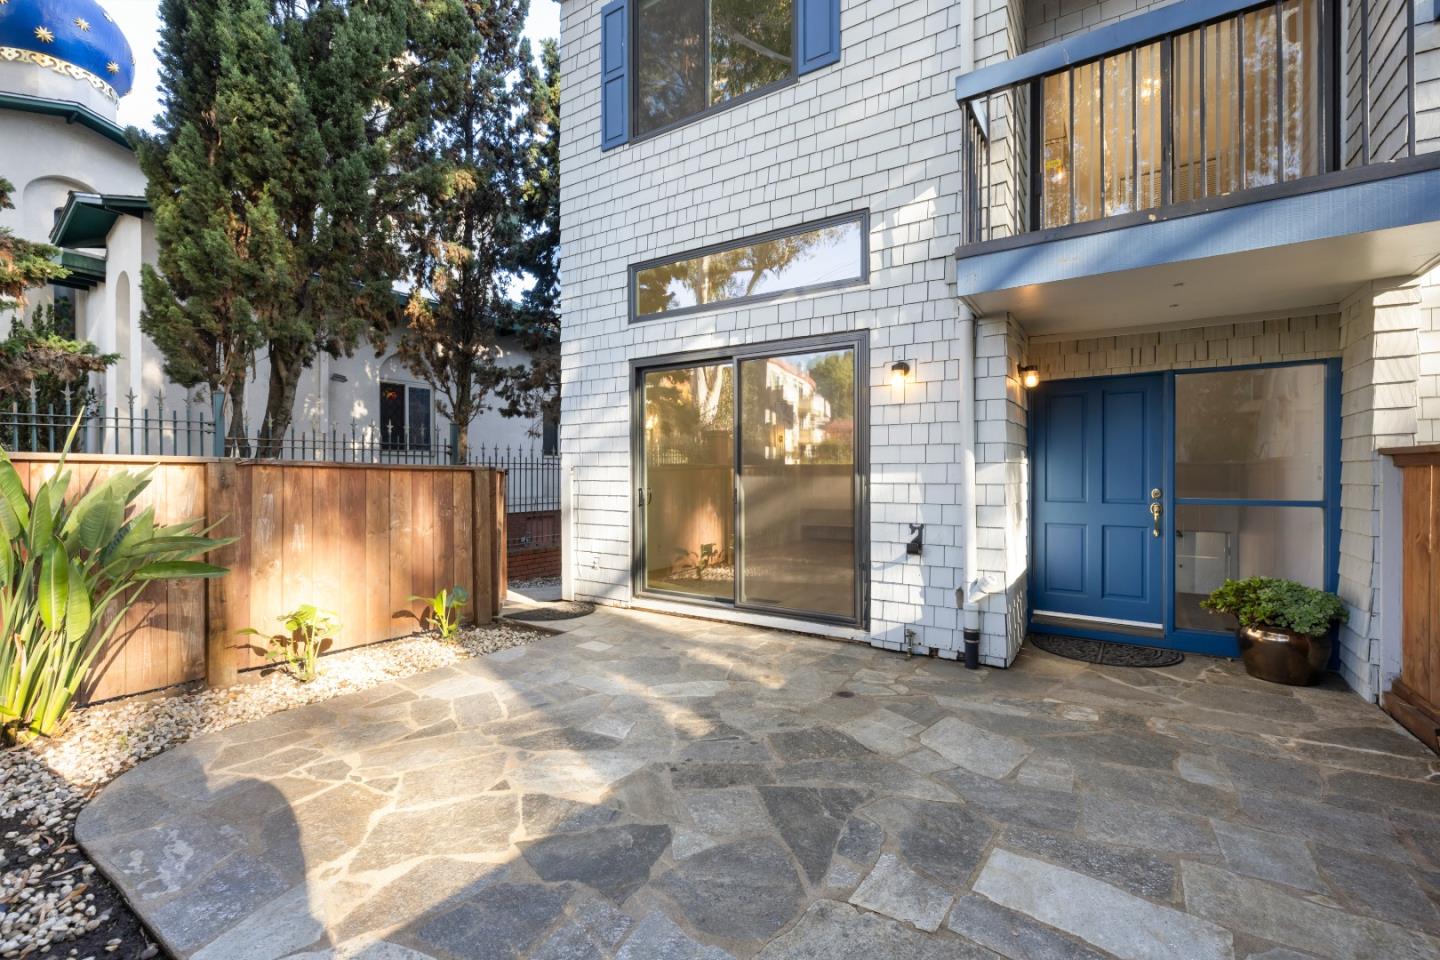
(1203, 129)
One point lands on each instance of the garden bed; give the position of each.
(52, 900)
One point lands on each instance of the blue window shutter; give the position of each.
(819, 33)
(614, 75)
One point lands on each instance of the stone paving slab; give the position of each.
(646, 787)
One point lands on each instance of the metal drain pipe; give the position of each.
(974, 588)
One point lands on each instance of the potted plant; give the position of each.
(1284, 626)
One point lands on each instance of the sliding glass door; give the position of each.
(689, 493)
(750, 484)
(797, 482)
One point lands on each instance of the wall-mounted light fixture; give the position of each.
(899, 373)
(1030, 377)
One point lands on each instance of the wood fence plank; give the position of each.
(377, 553)
(266, 531)
(482, 535)
(500, 541)
(324, 547)
(401, 547)
(463, 563)
(1432, 691)
(226, 598)
(298, 542)
(187, 597)
(350, 553)
(1416, 579)
(422, 538)
(443, 498)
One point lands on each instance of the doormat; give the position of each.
(1105, 653)
(558, 610)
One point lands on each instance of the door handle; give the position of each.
(1155, 510)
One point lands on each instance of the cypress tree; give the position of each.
(231, 112)
(463, 245)
(533, 390)
(282, 178)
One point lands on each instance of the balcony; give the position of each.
(1166, 144)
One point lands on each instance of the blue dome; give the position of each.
(75, 37)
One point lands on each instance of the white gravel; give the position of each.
(45, 896)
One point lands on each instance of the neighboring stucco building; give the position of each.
(63, 67)
(1208, 226)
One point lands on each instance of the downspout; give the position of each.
(975, 587)
(968, 596)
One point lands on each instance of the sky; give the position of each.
(140, 19)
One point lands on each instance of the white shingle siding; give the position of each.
(881, 131)
(878, 131)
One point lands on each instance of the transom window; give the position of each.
(813, 256)
(695, 54)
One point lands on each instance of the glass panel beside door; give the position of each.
(1250, 480)
(765, 517)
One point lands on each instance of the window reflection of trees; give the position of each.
(802, 259)
(686, 64)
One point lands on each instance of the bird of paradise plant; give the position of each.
(71, 569)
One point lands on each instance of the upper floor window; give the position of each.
(808, 257)
(695, 54)
(665, 61)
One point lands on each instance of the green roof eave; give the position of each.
(87, 218)
(70, 112)
(85, 271)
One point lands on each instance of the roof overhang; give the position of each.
(1296, 245)
(84, 271)
(87, 218)
(70, 112)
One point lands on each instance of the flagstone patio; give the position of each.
(646, 787)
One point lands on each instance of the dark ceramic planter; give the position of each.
(1283, 656)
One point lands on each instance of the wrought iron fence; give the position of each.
(533, 484)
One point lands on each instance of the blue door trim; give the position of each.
(1200, 641)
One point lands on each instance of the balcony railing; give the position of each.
(1255, 96)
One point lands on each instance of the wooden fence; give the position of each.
(1414, 697)
(353, 538)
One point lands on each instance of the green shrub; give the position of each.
(69, 572)
(1269, 602)
(443, 610)
(309, 632)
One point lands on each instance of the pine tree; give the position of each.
(533, 390)
(463, 247)
(232, 116)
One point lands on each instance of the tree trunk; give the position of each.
(279, 399)
(236, 440)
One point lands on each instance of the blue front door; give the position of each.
(1098, 548)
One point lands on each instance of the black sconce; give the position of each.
(917, 542)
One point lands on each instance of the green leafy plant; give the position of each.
(443, 610)
(309, 632)
(1270, 602)
(71, 568)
